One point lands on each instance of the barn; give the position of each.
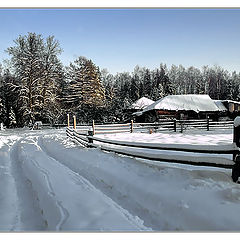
(190, 106)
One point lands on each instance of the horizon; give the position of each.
(120, 39)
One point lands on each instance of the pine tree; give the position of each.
(235, 80)
(9, 92)
(84, 93)
(107, 80)
(147, 84)
(2, 108)
(1, 97)
(135, 88)
(92, 89)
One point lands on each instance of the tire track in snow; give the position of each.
(63, 211)
(25, 196)
(101, 179)
(19, 179)
(8, 195)
(117, 197)
(134, 220)
(148, 204)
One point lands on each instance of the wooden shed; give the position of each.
(189, 106)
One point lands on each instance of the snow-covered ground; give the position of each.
(49, 183)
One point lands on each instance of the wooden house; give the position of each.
(233, 108)
(191, 106)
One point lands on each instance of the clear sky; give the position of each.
(120, 39)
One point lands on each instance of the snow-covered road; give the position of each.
(49, 183)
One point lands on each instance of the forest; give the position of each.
(36, 86)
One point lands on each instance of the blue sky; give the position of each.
(119, 39)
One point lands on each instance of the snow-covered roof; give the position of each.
(141, 103)
(197, 103)
(230, 101)
(220, 105)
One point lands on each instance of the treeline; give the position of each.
(35, 86)
(123, 89)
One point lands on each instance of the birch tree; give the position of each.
(38, 70)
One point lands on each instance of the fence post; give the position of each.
(207, 123)
(90, 133)
(236, 131)
(131, 130)
(181, 124)
(68, 120)
(236, 157)
(175, 125)
(74, 122)
(93, 127)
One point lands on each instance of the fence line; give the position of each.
(180, 125)
(163, 125)
(86, 139)
(226, 149)
(174, 125)
(215, 149)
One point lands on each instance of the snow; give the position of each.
(230, 101)
(220, 105)
(236, 122)
(177, 146)
(141, 103)
(49, 183)
(168, 147)
(192, 102)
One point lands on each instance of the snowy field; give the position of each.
(49, 183)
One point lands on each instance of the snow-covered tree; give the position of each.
(107, 80)
(92, 88)
(26, 59)
(147, 84)
(84, 93)
(12, 118)
(51, 80)
(38, 69)
(9, 92)
(85, 85)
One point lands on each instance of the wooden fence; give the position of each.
(48, 125)
(87, 140)
(84, 135)
(164, 125)
(183, 125)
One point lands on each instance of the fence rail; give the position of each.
(91, 141)
(215, 149)
(163, 125)
(183, 125)
(85, 136)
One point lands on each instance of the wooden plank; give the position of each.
(154, 127)
(217, 150)
(81, 134)
(111, 131)
(192, 121)
(112, 125)
(112, 128)
(208, 164)
(81, 142)
(222, 122)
